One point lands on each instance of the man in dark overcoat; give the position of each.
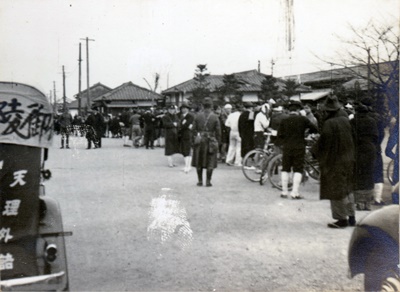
(149, 120)
(206, 127)
(365, 137)
(170, 123)
(335, 153)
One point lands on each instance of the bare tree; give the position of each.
(372, 54)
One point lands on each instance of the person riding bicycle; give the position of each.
(291, 138)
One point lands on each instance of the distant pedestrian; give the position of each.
(185, 135)
(96, 127)
(136, 130)
(65, 121)
(234, 156)
(125, 126)
(335, 153)
(149, 121)
(170, 123)
(392, 151)
(291, 137)
(224, 131)
(207, 135)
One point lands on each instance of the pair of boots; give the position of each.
(67, 143)
(200, 177)
(297, 176)
(343, 223)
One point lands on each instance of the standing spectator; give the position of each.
(185, 135)
(246, 128)
(224, 131)
(335, 153)
(149, 120)
(107, 121)
(95, 120)
(206, 128)
(393, 143)
(171, 122)
(278, 115)
(115, 127)
(136, 131)
(381, 124)
(261, 123)
(235, 142)
(365, 137)
(291, 135)
(77, 124)
(65, 122)
(125, 126)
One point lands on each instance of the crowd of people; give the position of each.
(348, 148)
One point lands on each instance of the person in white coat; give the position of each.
(261, 123)
(235, 142)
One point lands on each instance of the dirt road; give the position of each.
(139, 225)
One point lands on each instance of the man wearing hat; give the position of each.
(291, 137)
(185, 135)
(335, 153)
(65, 121)
(170, 123)
(206, 131)
(96, 121)
(149, 120)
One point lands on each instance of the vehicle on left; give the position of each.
(32, 245)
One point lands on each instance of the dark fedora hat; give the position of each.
(248, 104)
(207, 101)
(331, 103)
(294, 105)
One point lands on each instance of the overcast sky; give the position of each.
(134, 39)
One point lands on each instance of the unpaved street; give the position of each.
(139, 225)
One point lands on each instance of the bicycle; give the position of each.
(311, 168)
(254, 160)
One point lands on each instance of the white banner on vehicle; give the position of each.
(26, 117)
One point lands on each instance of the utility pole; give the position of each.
(80, 80)
(64, 97)
(259, 66)
(55, 99)
(87, 72)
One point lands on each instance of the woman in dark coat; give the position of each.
(335, 153)
(170, 123)
(365, 136)
(206, 125)
(185, 135)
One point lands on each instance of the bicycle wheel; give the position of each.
(312, 168)
(264, 169)
(389, 171)
(274, 173)
(251, 165)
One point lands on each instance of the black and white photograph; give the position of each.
(203, 145)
